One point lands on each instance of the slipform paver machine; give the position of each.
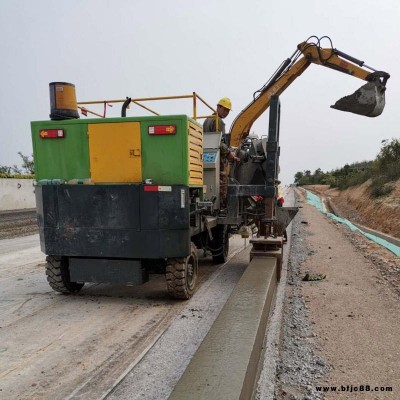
(119, 198)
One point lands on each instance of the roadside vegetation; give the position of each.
(26, 171)
(381, 172)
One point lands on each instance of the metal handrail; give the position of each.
(194, 96)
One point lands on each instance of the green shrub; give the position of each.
(16, 176)
(380, 188)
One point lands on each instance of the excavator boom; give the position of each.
(369, 100)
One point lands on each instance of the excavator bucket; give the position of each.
(368, 100)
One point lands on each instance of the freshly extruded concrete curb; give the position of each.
(225, 365)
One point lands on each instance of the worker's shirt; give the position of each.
(210, 125)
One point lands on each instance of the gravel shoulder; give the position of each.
(342, 331)
(17, 223)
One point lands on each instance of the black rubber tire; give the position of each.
(219, 246)
(182, 275)
(57, 272)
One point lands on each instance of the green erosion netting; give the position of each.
(317, 203)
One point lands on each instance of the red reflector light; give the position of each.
(51, 133)
(162, 130)
(150, 188)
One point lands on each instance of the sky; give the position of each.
(217, 48)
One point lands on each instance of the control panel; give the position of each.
(210, 157)
(211, 161)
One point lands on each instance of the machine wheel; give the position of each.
(219, 246)
(57, 272)
(182, 274)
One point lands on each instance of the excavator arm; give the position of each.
(368, 100)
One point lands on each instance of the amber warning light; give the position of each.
(51, 133)
(162, 130)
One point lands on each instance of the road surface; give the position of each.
(55, 346)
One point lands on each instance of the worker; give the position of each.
(224, 106)
(279, 202)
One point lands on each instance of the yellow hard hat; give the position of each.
(225, 102)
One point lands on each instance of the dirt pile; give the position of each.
(357, 205)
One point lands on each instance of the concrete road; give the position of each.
(54, 346)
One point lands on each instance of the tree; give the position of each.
(388, 161)
(4, 169)
(28, 167)
(318, 171)
(298, 176)
(390, 152)
(27, 164)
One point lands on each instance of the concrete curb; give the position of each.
(226, 363)
(381, 235)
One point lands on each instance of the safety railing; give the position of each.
(194, 96)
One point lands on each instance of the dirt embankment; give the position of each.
(357, 205)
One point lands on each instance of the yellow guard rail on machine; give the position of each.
(194, 96)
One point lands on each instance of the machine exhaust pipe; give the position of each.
(125, 106)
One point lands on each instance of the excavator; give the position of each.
(121, 197)
(260, 156)
(368, 101)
